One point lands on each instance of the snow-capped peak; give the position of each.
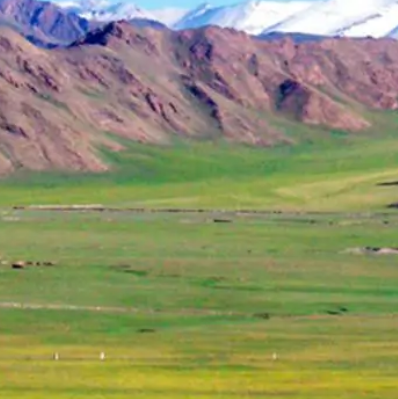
(105, 10)
(192, 15)
(251, 16)
(169, 16)
(356, 18)
(117, 11)
(342, 17)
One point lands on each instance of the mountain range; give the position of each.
(354, 18)
(48, 24)
(119, 82)
(72, 88)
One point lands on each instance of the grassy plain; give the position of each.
(189, 308)
(334, 173)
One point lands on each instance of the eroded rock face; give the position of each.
(292, 97)
(122, 31)
(311, 107)
(57, 106)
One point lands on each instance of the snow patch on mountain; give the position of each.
(82, 6)
(169, 16)
(108, 10)
(252, 16)
(383, 23)
(117, 11)
(343, 18)
(354, 18)
(192, 15)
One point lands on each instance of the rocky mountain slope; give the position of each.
(48, 25)
(43, 22)
(59, 107)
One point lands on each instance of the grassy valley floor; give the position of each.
(207, 305)
(185, 307)
(324, 173)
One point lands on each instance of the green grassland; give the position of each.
(321, 172)
(187, 308)
(268, 306)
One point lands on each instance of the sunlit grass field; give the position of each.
(183, 307)
(264, 306)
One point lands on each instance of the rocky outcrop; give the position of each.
(309, 106)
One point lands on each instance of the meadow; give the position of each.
(332, 172)
(183, 307)
(210, 304)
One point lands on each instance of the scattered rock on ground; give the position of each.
(24, 264)
(19, 265)
(373, 251)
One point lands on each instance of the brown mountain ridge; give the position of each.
(58, 106)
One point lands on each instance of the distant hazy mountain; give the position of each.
(43, 22)
(108, 11)
(252, 17)
(169, 16)
(147, 23)
(296, 37)
(356, 18)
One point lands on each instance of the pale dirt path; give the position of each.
(115, 309)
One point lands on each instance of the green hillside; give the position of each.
(334, 173)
